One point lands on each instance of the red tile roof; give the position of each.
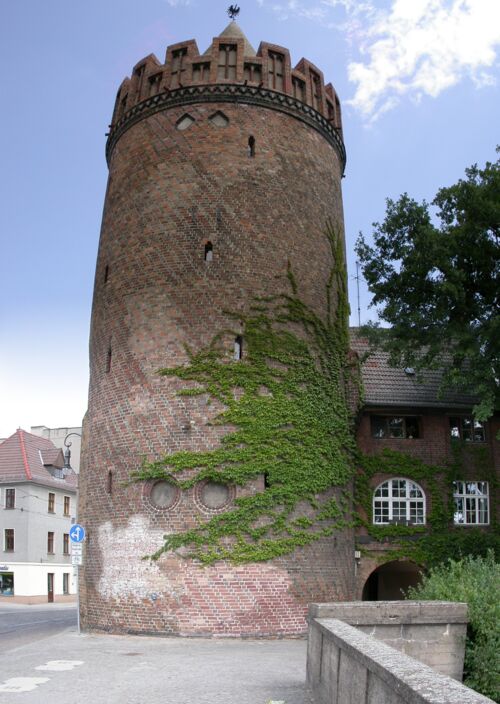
(26, 457)
(388, 386)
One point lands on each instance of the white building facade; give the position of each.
(37, 507)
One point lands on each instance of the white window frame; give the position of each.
(471, 500)
(393, 503)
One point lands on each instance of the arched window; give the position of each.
(399, 501)
(238, 348)
(209, 252)
(251, 146)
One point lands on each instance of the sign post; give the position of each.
(77, 536)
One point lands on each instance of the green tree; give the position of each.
(437, 285)
(476, 581)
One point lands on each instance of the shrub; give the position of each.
(476, 581)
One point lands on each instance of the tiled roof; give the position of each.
(27, 457)
(389, 386)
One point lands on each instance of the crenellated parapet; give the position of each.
(230, 70)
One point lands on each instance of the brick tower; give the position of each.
(223, 169)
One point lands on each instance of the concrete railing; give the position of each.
(430, 631)
(346, 666)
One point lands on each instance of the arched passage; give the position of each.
(389, 581)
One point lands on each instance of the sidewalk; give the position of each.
(102, 669)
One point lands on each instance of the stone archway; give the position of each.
(389, 581)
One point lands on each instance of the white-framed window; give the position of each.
(399, 501)
(471, 501)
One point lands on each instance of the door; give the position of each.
(50, 586)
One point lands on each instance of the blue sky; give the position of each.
(418, 81)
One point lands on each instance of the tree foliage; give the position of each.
(437, 285)
(476, 581)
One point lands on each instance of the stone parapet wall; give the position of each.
(430, 631)
(346, 666)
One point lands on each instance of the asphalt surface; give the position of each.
(67, 668)
(22, 624)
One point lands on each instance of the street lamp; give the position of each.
(67, 451)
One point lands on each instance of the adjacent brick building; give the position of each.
(408, 415)
(224, 168)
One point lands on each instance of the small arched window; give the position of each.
(106, 274)
(209, 252)
(238, 348)
(109, 484)
(251, 146)
(399, 501)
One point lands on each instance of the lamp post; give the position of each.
(67, 465)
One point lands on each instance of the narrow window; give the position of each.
(331, 111)
(65, 543)
(238, 347)
(109, 487)
(10, 498)
(108, 360)
(267, 483)
(201, 72)
(106, 274)
(252, 73)
(139, 78)
(226, 68)
(209, 252)
(276, 62)
(67, 504)
(299, 89)
(65, 582)
(178, 67)
(9, 540)
(471, 503)
(123, 106)
(316, 91)
(251, 146)
(155, 83)
(52, 503)
(50, 542)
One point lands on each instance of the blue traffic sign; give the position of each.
(77, 533)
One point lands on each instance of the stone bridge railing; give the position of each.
(348, 666)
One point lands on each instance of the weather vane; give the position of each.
(233, 11)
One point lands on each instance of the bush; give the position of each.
(475, 580)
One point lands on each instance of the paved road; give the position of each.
(23, 624)
(65, 668)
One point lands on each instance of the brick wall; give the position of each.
(169, 192)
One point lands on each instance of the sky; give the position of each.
(419, 86)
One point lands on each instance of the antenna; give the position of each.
(233, 11)
(357, 286)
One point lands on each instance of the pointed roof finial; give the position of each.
(233, 11)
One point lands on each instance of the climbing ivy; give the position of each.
(437, 540)
(285, 407)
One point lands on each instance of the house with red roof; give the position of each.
(37, 504)
(431, 477)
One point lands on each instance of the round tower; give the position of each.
(223, 202)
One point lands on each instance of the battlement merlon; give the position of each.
(230, 59)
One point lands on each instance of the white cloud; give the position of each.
(176, 3)
(411, 48)
(422, 47)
